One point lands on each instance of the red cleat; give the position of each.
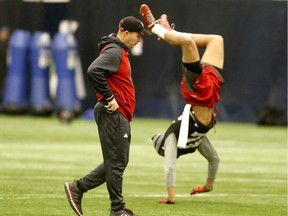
(147, 16)
(166, 202)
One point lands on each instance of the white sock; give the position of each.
(159, 30)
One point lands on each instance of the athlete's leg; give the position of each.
(214, 48)
(189, 48)
(164, 31)
(189, 43)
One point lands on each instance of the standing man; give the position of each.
(110, 75)
(200, 86)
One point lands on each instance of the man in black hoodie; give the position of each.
(110, 75)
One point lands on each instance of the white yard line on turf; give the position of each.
(44, 196)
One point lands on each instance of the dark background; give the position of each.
(255, 34)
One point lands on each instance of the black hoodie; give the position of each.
(110, 75)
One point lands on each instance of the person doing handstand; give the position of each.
(200, 86)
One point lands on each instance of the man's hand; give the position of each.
(112, 105)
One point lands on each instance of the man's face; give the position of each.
(131, 39)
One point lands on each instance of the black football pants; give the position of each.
(115, 136)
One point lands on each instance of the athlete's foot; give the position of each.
(147, 16)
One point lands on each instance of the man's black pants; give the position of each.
(115, 137)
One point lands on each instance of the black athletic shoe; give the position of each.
(123, 212)
(74, 196)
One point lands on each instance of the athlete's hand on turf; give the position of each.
(202, 189)
(112, 105)
(166, 202)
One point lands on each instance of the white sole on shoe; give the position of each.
(70, 199)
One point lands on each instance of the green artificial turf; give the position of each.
(37, 155)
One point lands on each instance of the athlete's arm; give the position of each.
(208, 151)
(170, 165)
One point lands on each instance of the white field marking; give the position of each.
(57, 196)
(244, 180)
(253, 180)
(159, 183)
(2, 177)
